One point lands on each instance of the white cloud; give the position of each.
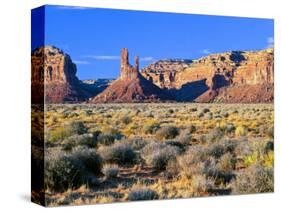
(115, 57)
(270, 42)
(206, 51)
(103, 57)
(81, 62)
(72, 8)
(146, 58)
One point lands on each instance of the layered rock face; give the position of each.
(53, 77)
(131, 86)
(202, 80)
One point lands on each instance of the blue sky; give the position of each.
(94, 37)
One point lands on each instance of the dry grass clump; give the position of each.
(142, 194)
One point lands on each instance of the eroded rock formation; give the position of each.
(53, 77)
(131, 86)
(201, 80)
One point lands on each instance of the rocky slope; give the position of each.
(219, 77)
(54, 77)
(131, 86)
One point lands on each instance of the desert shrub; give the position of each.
(71, 170)
(151, 128)
(230, 128)
(241, 131)
(226, 162)
(88, 112)
(209, 116)
(142, 194)
(159, 155)
(193, 109)
(79, 140)
(198, 161)
(58, 134)
(62, 172)
(215, 150)
(179, 145)
(136, 143)
(206, 110)
(242, 149)
(200, 115)
(112, 131)
(171, 111)
(215, 135)
(190, 129)
(91, 160)
(270, 132)
(185, 137)
(120, 153)
(201, 184)
(126, 120)
(110, 171)
(202, 138)
(77, 127)
(106, 139)
(254, 179)
(269, 146)
(212, 169)
(167, 132)
(229, 144)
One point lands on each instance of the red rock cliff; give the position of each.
(53, 77)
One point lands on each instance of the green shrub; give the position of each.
(142, 194)
(167, 132)
(120, 153)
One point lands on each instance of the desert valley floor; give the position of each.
(100, 153)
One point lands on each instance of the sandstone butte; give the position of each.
(131, 86)
(231, 77)
(53, 77)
